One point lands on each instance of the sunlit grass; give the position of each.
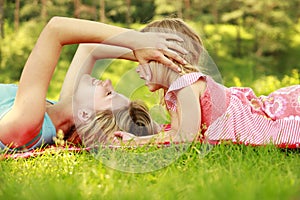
(226, 172)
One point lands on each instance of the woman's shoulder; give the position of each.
(45, 137)
(8, 87)
(8, 90)
(7, 97)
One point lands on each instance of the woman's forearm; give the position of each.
(103, 51)
(41, 64)
(70, 31)
(84, 60)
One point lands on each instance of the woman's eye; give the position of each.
(108, 93)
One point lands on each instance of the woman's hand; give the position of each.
(161, 47)
(150, 46)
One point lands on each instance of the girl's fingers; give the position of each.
(118, 134)
(144, 71)
(116, 141)
(147, 71)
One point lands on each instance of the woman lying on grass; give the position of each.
(28, 121)
(99, 126)
(201, 109)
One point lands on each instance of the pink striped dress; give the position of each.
(238, 115)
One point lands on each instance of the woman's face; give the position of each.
(99, 95)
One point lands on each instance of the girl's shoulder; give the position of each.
(186, 80)
(195, 80)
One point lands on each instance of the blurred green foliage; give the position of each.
(254, 44)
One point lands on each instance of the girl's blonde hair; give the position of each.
(100, 128)
(192, 42)
(197, 57)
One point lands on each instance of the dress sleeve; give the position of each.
(215, 100)
(181, 82)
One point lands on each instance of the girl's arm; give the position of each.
(188, 113)
(185, 122)
(24, 121)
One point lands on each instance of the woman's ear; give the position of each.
(84, 115)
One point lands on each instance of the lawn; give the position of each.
(224, 172)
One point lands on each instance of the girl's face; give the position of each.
(146, 74)
(99, 95)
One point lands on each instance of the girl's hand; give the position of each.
(123, 137)
(161, 47)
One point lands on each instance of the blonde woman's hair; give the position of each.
(192, 42)
(136, 120)
(100, 128)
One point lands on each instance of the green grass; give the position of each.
(226, 172)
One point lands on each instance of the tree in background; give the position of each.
(259, 32)
(1, 19)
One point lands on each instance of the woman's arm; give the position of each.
(84, 60)
(25, 119)
(87, 55)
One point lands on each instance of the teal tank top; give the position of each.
(48, 131)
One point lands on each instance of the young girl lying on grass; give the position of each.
(201, 109)
(28, 121)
